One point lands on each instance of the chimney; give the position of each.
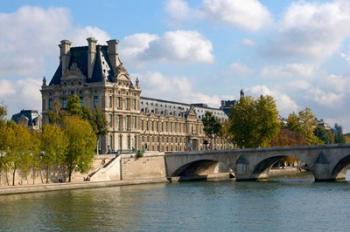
(113, 53)
(64, 54)
(91, 55)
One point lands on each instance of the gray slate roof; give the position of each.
(79, 56)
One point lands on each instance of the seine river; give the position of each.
(293, 204)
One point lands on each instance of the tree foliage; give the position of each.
(267, 120)
(54, 144)
(254, 122)
(96, 119)
(73, 106)
(324, 135)
(19, 149)
(81, 146)
(211, 125)
(3, 113)
(304, 124)
(287, 137)
(56, 114)
(338, 134)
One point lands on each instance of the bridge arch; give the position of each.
(340, 169)
(262, 168)
(202, 167)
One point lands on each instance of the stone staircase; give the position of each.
(109, 171)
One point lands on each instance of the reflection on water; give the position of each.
(281, 204)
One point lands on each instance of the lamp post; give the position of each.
(2, 154)
(44, 156)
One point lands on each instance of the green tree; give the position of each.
(56, 114)
(243, 121)
(98, 122)
(304, 123)
(287, 137)
(254, 122)
(19, 149)
(211, 126)
(3, 113)
(73, 106)
(267, 120)
(338, 134)
(3, 137)
(81, 145)
(324, 135)
(54, 144)
(35, 152)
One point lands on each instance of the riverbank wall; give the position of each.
(107, 170)
(72, 186)
(36, 177)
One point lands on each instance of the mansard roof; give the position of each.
(198, 105)
(79, 58)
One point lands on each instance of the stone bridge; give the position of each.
(326, 162)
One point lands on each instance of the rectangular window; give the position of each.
(135, 104)
(44, 104)
(110, 121)
(50, 104)
(128, 122)
(110, 143)
(96, 101)
(121, 123)
(110, 101)
(81, 101)
(120, 103)
(127, 106)
(64, 103)
(129, 142)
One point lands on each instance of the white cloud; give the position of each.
(248, 42)
(173, 46)
(311, 30)
(6, 88)
(28, 44)
(239, 69)
(34, 30)
(20, 94)
(179, 10)
(298, 85)
(289, 70)
(340, 120)
(330, 91)
(246, 14)
(249, 15)
(157, 85)
(136, 44)
(285, 104)
(345, 56)
(328, 99)
(79, 35)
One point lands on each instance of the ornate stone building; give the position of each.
(96, 74)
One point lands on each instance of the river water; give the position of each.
(281, 204)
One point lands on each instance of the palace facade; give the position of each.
(97, 75)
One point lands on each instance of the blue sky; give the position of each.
(191, 51)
